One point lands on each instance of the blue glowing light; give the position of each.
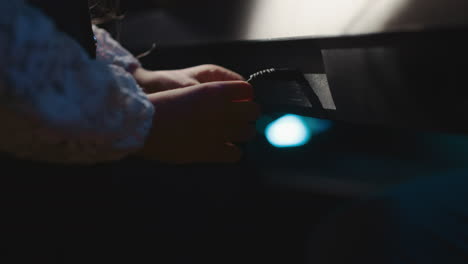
(294, 131)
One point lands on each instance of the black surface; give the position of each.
(194, 22)
(416, 85)
(140, 211)
(285, 90)
(405, 78)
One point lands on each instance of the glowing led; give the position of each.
(288, 131)
(294, 131)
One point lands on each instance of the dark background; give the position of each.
(261, 210)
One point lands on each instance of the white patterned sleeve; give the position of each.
(56, 103)
(111, 52)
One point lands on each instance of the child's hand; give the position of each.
(157, 81)
(199, 123)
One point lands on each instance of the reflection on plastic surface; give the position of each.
(280, 19)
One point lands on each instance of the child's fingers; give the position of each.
(229, 90)
(239, 91)
(215, 73)
(244, 111)
(228, 75)
(239, 132)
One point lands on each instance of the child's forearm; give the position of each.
(59, 105)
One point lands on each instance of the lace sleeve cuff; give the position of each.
(110, 51)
